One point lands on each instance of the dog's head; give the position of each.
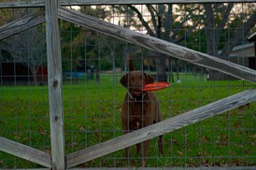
(134, 81)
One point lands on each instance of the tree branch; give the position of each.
(144, 23)
(153, 19)
(241, 32)
(188, 33)
(223, 22)
(209, 29)
(168, 23)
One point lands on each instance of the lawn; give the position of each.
(92, 115)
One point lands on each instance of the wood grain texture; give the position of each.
(23, 4)
(40, 3)
(161, 128)
(55, 84)
(158, 45)
(25, 152)
(21, 24)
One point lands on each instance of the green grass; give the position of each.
(92, 115)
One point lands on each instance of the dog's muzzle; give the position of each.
(136, 94)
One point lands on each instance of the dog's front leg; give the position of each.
(145, 153)
(127, 156)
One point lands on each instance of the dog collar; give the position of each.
(134, 98)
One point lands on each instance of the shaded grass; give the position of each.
(92, 115)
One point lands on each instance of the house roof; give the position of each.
(244, 50)
(252, 38)
(242, 47)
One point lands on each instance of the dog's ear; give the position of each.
(124, 80)
(149, 78)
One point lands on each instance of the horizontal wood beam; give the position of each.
(162, 127)
(21, 24)
(23, 4)
(25, 152)
(158, 45)
(40, 3)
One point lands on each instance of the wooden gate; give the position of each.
(53, 12)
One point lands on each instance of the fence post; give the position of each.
(55, 84)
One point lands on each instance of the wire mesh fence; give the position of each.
(92, 65)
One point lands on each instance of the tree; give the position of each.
(80, 44)
(223, 18)
(227, 25)
(167, 21)
(220, 26)
(28, 47)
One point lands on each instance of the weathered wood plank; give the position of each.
(21, 24)
(161, 128)
(25, 152)
(40, 3)
(158, 45)
(23, 4)
(176, 168)
(55, 84)
(123, 2)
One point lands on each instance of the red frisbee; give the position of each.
(155, 86)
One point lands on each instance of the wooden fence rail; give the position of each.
(57, 159)
(162, 127)
(158, 45)
(25, 152)
(21, 24)
(146, 41)
(40, 3)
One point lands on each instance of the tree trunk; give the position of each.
(34, 71)
(210, 30)
(177, 65)
(161, 65)
(97, 72)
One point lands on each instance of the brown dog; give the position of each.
(139, 109)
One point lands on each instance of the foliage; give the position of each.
(227, 25)
(28, 47)
(81, 44)
(206, 28)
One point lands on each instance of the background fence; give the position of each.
(83, 82)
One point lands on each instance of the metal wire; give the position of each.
(93, 101)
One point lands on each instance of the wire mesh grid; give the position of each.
(93, 64)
